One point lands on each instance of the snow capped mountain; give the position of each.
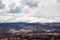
(31, 11)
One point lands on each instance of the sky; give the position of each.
(31, 11)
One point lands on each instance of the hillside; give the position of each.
(29, 28)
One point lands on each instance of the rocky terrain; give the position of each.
(21, 28)
(29, 31)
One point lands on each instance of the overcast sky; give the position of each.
(29, 11)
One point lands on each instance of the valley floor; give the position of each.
(32, 37)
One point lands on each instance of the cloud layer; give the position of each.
(30, 11)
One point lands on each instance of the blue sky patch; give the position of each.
(16, 10)
(1, 5)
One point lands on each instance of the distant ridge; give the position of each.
(22, 28)
(19, 25)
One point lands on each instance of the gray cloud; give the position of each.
(34, 11)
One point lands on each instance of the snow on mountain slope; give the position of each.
(30, 11)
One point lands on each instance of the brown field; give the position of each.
(41, 36)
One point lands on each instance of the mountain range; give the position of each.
(22, 27)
